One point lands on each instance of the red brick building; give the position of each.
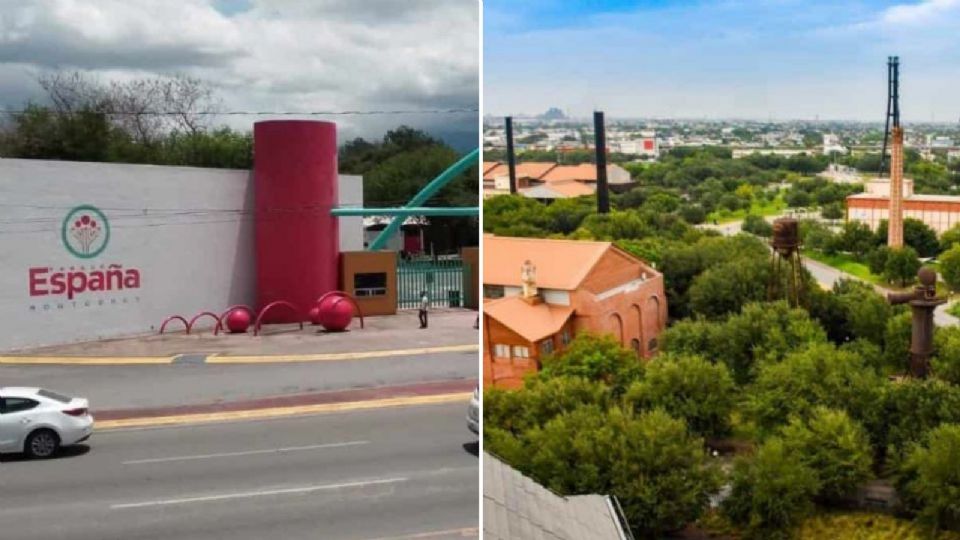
(539, 293)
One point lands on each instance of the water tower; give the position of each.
(785, 265)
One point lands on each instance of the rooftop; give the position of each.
(532, 321)
(561, 264)
(517, 508)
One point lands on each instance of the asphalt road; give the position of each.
(119, 387)
(387, 473)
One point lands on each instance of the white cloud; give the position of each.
(265, 54)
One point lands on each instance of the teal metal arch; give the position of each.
(414, 208)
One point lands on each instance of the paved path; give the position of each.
(133, 386)
(827, 275)
(385, 474)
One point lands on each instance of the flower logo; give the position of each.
(85, 231)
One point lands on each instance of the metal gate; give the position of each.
(442, 279)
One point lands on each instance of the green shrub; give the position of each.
(689, 387)
(835, 446)
(770, 491)
(946, 363)
(931, 478)
(650, 462)
(595, 358)
(818, 375)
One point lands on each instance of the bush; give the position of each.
(539, 401)
(908, 410)
(689, 387)
(946, 363)
(877, 260)
(896, 342)
(649, 462)
(835, 446)
(950, 267)
(931, 478)
(761, 332)
(726, 288)
(901, 266)
(595, 358)
(771, 491)
(818, 375)
(755, 224)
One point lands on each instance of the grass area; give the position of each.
(848, 264)
(954, 309)
(838, 525)
(772, 208)
(866, 526)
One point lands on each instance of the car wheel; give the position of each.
(42, 444)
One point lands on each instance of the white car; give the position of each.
(37, 422)
(473, 412)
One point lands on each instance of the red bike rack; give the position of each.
(216, 328)
(223, 316)
(271, 305)
(342, 296)
(174, 318)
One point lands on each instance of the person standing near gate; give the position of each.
(424, 304)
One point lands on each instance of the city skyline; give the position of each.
(779, 61)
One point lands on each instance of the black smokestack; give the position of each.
(600, 141)
(511, 159)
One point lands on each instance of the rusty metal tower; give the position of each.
(923, 301)
(786, 281)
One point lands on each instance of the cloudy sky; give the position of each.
(264, 55)
(785, 59)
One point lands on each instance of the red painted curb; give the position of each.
(337, 396)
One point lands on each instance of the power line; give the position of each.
(459, 110)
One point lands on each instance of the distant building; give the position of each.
(939, 212)
(544, 180)
(831, 144)
(553, 113)
(539, 293)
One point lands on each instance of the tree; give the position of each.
(908, 410)
(539, 401)
(877, 260)
(946, 363)
(796, 198)
(950, 267)
(920, 237)
(856, 238)
(771, 491)
(728, 287)
(902, 265)
(693, 214)
(950, 237)
(595, 358)
(761, 333)
(832, 211)
(755, 224)
(835, 446)
(651, 464)
(701, 393)
(817, 375)
(931, 478)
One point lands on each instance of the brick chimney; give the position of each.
(895, 221)
(528, 278)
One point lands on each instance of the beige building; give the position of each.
(939, 212)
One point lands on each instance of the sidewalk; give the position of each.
(452, 327)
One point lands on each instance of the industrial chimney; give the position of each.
(895, 223)
(600, 141)
(511, 159)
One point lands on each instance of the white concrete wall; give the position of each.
(350, 193)
(187, 231)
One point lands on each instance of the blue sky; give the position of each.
(781, 59)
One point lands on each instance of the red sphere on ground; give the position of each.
(238, 321)
(314, 315)
(336, 312)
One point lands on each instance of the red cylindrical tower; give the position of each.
(297, 240)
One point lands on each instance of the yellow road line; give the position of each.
(327, 357)
(87, 360)
(280, 412)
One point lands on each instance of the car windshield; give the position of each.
(54, 396)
